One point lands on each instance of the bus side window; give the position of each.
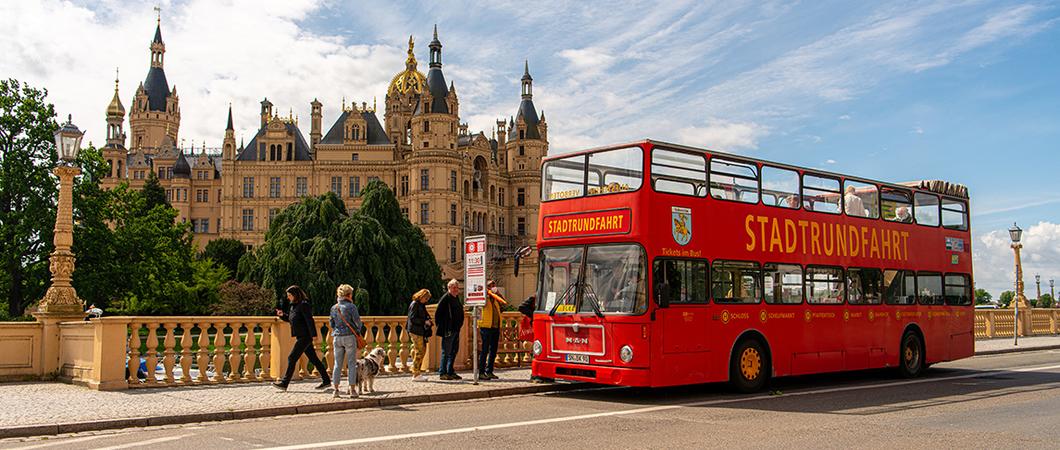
(954, 214)
(735, 282)
(958, 290)
(732, 180)
(782, 283)
(926, 209)
(861, 199)
(929, 287)
(863, 286)
(780, 187)
(824, 285)
(899, 287)
(683, 280)
(820, 194)
(896, 205)
(679, 172)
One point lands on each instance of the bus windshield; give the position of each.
(599, 173)
(598, 278)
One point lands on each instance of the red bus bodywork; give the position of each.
(693, 343)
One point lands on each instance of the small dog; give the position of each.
(368, 367)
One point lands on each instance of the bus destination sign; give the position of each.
(595, 223)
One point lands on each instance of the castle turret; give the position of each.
(314, 130)
(228, 151)
(155, 111)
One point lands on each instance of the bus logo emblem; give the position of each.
(807, 316)
(725, 317)
(871, 316)
(681, 224)
(763, 316)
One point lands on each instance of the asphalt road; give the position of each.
(1001, 401)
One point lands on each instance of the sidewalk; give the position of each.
(39, 408)
(1005, 345)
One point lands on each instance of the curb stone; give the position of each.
(360, 403)
(1016, 350)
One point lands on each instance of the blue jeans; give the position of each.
(450, 347)
(490, 338)
(345, 353)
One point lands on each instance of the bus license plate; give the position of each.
(580, 359)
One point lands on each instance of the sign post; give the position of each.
(475, 289)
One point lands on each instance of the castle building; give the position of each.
(449, 181)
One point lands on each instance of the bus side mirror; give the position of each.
(662, 295)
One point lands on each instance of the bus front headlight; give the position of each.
(626, 354)
(537, 347)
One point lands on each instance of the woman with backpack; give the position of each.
(419, 326)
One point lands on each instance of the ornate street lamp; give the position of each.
(1038, 282)
(61, 297)
(1015, 233)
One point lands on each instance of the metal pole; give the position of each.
(476, 312)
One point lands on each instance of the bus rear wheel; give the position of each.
(911, 363)
(749, 368)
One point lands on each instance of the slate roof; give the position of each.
(301, 148)
(529, 115)
(376, 134)
(181, 169)
(157, 89)
(439, 90)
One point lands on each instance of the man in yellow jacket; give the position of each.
(490, 330)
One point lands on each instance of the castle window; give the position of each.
(520, 226)
(336, 185)
(169, 195)
(520, 197)
(452, 214)
(356, 157)
(218, 201)
(425, 144)
(248, 187)
(500, 196)
(405, 213)
(452, 180)
(500, 225)
(248, 219)
(425, 213)
(272, 214)
(290, 151)
(301, 186)
(355, 186)
(522, 150)
(274, 187)
(452, 251)
(493, 193)
(356, 133)
(466, 216)
(169, 172)
(425, 179)
(218, 224)
(520, 134)
(426, 126)
(404, 185)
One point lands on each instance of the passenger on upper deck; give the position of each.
(853, 204)
(901, 214)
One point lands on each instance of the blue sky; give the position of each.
(963, 91)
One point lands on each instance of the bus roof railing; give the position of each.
(956, 189)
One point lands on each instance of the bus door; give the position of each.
(683, 317)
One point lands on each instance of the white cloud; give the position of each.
(917, 130)
(844, 117)
(992, 258)
(723, 135)
(830, 161)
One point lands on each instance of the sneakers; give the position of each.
(446, 377)
(419, 378)
(323, 385)
(492, 376)
(280, 385)
(454, 376)
(483, 377)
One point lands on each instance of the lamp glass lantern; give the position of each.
(68, 140)
(1015, 233)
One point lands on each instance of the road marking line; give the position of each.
(498, 426)
(145, 443)
(68, 441)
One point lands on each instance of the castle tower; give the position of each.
(156, 108)
(314, 130)
(266, 112)
(228, 151)
(114, 151)
(402, 96)
(525, 147)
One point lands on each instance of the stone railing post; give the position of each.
(1052, 321)
(281, 344)
(989, 316)
(109, 354)
(49, 349)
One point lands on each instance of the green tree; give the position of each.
(27, 193)
(1045, 301)
(318, 245)
(982, 297)
(225, 252)
(153, 192)
(244, 299)
(1005, 299)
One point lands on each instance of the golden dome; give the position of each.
(410, 80)
(115, 108)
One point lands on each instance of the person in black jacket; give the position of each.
(303, 329)
(450, 318)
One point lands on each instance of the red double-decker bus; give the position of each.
(662, 264)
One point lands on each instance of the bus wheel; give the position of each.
(912, 356)
(749, 368)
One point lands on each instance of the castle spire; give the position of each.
(229, 127)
